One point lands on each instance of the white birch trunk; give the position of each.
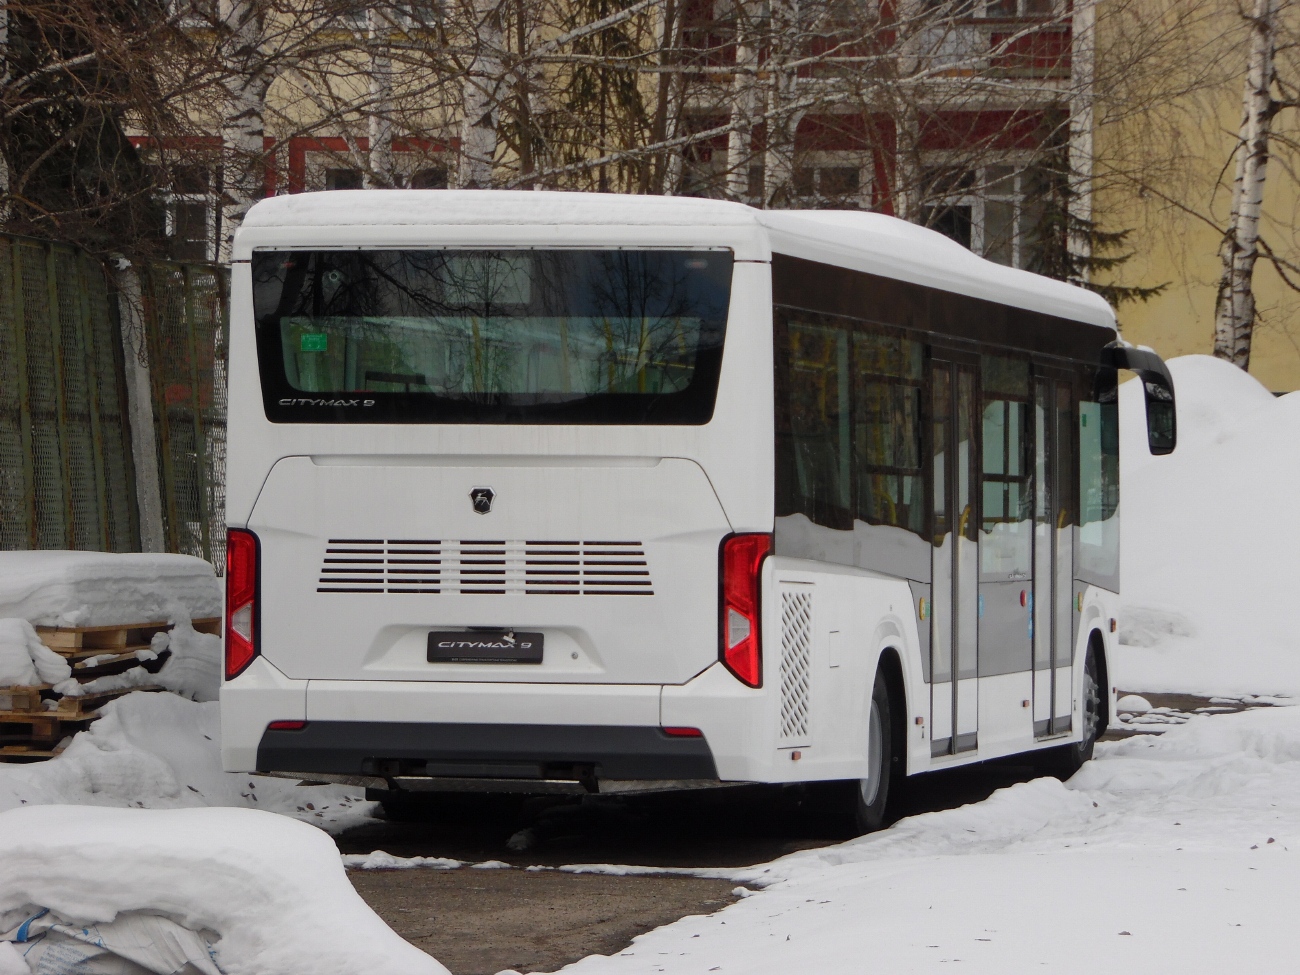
(782, 118)
(1234, 318)
(907, 190)
(242, 129)
(1083, 61)
(744, 91)
(480, 104)
(379, 171)
(669, 34)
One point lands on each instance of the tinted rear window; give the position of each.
(501, 336)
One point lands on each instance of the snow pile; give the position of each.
(272, 891)
(1210, 570)
(379, 860)
(102, 589)
(24, 660)
(1176, 852)
(160, 751)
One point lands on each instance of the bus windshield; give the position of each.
(491, 336)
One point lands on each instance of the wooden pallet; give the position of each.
(86, 641)
(28, 753)
(21, 698)
(31, 732)
(43, 729)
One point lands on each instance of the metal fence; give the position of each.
(185, 323)
(67, 478)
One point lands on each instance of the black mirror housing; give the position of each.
(1157, 388)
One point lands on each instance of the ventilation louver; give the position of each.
(796, 662)
(535, 568)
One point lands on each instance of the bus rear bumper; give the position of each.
(431, 756)
(459, 733)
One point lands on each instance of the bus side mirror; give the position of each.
(1158, 390)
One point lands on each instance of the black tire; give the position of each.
(860, 806)
(1063, 762)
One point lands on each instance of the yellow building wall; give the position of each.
(1174, 221)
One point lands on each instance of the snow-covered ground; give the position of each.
(1210, 569)
(160, 751)
(1167, 853)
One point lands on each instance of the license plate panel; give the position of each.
(484, 647)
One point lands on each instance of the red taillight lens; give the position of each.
(676, 732)
(241, 601)
(740, 647)
(286, 725)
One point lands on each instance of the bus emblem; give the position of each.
(481, 497)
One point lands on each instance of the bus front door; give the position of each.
(1052, 626)
(954, 615)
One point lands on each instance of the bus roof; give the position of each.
(871, 242)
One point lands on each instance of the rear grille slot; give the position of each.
(490, 567)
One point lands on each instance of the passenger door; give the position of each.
(954, 615)
(1052, 626)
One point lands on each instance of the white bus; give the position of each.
(550, 492)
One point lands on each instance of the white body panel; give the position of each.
(645, 661)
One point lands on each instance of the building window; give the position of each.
(996, 211)
(1020, 8)
(191, 208)
(830, 180)
(431, 178)
(342, 179)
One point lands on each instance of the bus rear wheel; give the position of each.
(858, 806)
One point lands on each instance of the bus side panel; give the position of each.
(824, 629)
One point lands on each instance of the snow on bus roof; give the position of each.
(871, 242)
(357, 208)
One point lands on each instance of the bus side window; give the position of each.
(819, 422)
(888, 372)
(1006, 468)
(1098, 548)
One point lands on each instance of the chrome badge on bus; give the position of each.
(481, 498)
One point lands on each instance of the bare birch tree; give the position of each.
(1234, 319)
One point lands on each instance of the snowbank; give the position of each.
(160, 751)
(101, 589)
(273, 891)
(1176, 852)
(1210, 568)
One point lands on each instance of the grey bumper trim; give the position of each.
(485, 751)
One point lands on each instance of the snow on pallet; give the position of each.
(37, 721)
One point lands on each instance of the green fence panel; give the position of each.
(185, 315)
(66, 479)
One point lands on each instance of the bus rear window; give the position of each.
(491, 336)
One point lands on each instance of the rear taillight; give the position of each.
(740, 648)
(241, 600)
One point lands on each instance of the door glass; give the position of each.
(1043, 532)
(941, 586)
(967, 535)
